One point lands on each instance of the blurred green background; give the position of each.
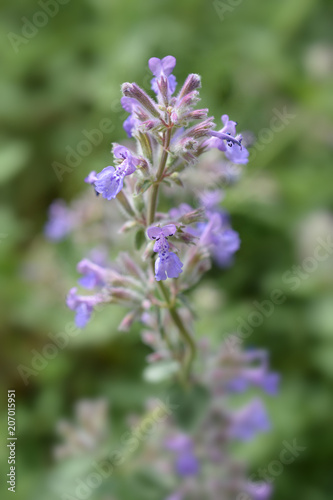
(254, 57)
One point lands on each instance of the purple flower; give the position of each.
(167, 264)
(61, 221)
(163, 67)
(110, 181)
(179, 443)
(186, 462)
(211, 199)
(227, 141)
(249, 420)
(93, 274)
(130, 105)
(91, 178)
(259, 377)
(222, 240)
(82, 305)
(175, 496)
(259, 491)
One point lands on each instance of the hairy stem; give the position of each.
(187, 338)
(159, 177)
(189, 342)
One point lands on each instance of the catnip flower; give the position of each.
(219, 237)
(163, 68)
(186, 463)
(246, 422)
(110, 180)
(130, 105)
(227, 141)
(91, 178)
(93, 274)
(60, 222)
(168, 263)
(82, 305)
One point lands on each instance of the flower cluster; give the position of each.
(200, 464)
(177, 158)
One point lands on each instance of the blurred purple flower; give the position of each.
(269, 382)
(259, 491)
(186, 462)
(249, 420)
(222, 240)
(93, 274)
(82, 305)
(60, 222)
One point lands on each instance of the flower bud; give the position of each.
(134, 91)
(192, 82)
(127, 321)
(202, 129)
(192, 217)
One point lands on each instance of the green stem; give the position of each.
(190, 355)
(159, 177)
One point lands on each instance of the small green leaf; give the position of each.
(140, 239)
(142, 186)
(158, 372)
(192, 405)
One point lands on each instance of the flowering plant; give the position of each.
(170, 197)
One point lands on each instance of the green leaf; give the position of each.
(192, 405)
(142, 186)
(140, 239)
(158, 372)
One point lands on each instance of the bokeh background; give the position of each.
(254, 57)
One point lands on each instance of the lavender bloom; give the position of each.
(60, 223)
(227, 141)
(269, 382)
(259, 491)
(83, 306)
(93, 274)
(110, 181)
(91, 178)
(175, 496)
(163, 67)
(222, 240)
(258, 376)
(186, 462)
(130, 105)
(249, 420)
(168, 263)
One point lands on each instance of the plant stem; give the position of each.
(191, 349)
(183, 331)
(159, 177)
